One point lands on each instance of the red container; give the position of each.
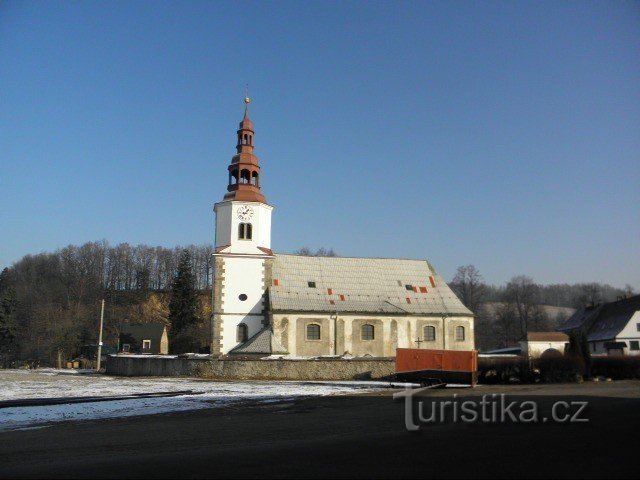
(453, 366)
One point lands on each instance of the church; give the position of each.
(271, 304)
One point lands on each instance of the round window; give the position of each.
(242, 297)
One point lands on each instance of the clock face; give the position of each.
(245, 213)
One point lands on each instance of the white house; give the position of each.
(612, 328)
(266, 303)
(537, 344)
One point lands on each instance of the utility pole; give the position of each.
(100, 335)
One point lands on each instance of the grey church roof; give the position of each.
(360, 285)
(263, 342)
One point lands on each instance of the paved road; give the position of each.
(339, 437)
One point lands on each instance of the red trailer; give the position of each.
(430, 367)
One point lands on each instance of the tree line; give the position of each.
(504, 314)
(49, 302)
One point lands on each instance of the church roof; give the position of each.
(360, 285)
(263, 342)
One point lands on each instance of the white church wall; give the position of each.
(227, 223)
(223, 223)
(242, 276)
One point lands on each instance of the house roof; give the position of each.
(580, 318)
(263, 342)
(603, 322)
(144, 331)
(612, 318)
(547, 337)
(360, 285)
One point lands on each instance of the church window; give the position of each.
(311, 284)
(245, 231)
(368, 332)
(459, 334)
(313, 331)
(246, 139)
(244, 176)
(429, 333)
(254, 178)
(242, 333)
(242, 297)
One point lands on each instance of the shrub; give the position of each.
(562, 368)
(501, 370)
(616, 367)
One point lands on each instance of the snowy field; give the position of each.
(45, 383)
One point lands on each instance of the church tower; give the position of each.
(243, 253)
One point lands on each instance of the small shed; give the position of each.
(537, 344)
(149, 338)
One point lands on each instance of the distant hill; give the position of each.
(551, 311)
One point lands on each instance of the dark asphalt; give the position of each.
(339, 437)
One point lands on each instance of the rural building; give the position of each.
(538, 344)
(612, 328)
(149, 338)
(266, 303)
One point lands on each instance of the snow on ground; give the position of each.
(44, 383)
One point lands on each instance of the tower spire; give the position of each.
(247, 101)
(244, 170)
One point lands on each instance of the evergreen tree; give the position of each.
(579, 349)
(183, 304)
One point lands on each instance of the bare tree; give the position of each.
(505, 324)
(590, 294)
(522, 293)
(469, 286)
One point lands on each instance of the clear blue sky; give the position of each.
(503, 134)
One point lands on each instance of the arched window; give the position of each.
(245, 231)
(233, 180)
(246, 139)
(368, 332)
(242, 333)
(429, 333)
(244, 176)
(459, 334)
(313, 331)
(254, 178)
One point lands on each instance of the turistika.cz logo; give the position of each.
(493, 408)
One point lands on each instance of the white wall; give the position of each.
(535, 349)
(242, 275)
(227, 222)
(630, 333)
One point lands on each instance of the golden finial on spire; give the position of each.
(247, 100)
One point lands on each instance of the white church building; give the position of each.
(266, 303)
